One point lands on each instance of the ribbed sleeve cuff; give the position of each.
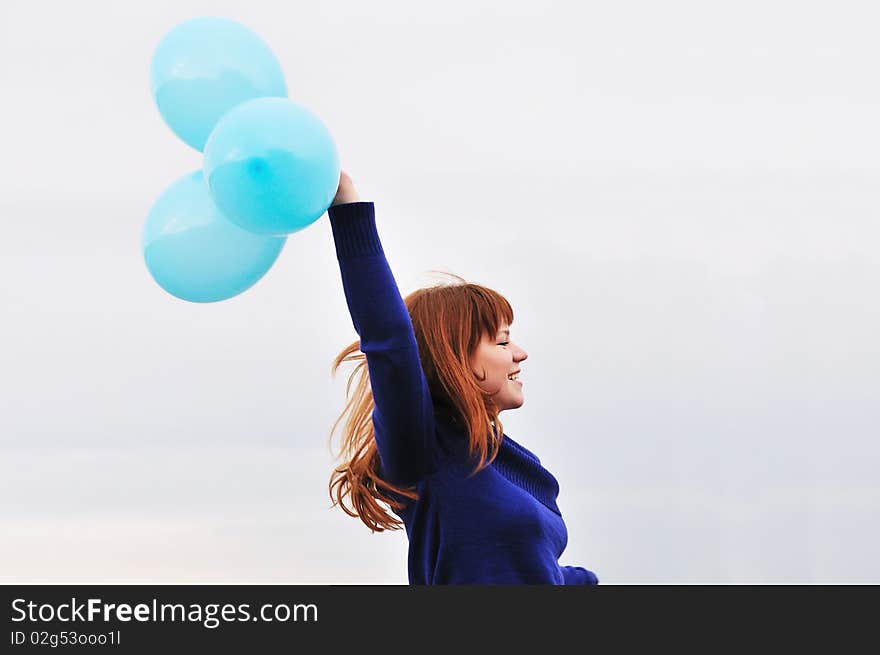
(354, 230)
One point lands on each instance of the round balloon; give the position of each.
(272, 166)
(194, 253)
(204, 67)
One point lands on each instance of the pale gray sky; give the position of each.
(679, 199)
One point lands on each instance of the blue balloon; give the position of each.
(272, 166)
(193, 252)
(204, 67)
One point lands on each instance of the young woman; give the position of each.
(423, 436)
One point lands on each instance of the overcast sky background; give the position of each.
(679, 199)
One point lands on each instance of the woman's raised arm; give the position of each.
(403, 416)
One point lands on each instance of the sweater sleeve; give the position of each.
(403, 416)
(578, 575)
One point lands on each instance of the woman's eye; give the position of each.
(503, 343)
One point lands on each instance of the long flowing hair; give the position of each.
(449, 321)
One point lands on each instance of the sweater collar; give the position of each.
(515, 462)
(524, 469)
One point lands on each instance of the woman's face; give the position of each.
(498, 359)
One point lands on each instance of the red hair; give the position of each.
(449, 321)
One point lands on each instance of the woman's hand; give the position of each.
(345, 192)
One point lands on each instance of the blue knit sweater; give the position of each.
(500, 526)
